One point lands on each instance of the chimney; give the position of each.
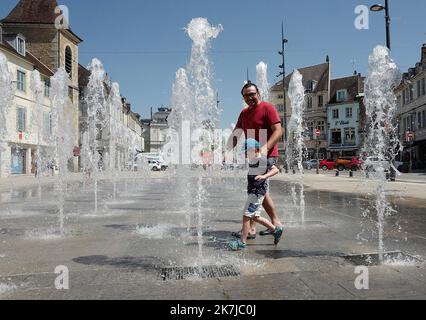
(1, 33)
(423, 54)
(327, 59)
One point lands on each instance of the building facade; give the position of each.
(34, 21)
(411, 114)
(344, 117)
(159, 129)
(24, 135)
(316, 80)
(124, 127)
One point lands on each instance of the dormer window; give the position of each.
(341, 95)
(312, 85)
(20, 45)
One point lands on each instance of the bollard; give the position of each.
(351, 174)
(294, 171)
(337, 173)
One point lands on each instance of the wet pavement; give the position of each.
(164, 238)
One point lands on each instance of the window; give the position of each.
(412, 122)
(405, 125)
(20, 83)
(280, 108)
(404, 97)
(321, 126)
(424, 118)
(411, 92)
(47, 88)
(20, 45)
(320, 101)
(68, 61)
(311, 129)
(336, 136)
(309, 102)
(20, 119)
(341, 95)
(399, 101)
(348, 112)
(336, 114)
(349, 136)
(419, 120)
(311, 85)
(280, 96)
(419, 92)
(423, 86)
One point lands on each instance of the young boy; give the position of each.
(258, 187)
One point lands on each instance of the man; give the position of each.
(260, 118)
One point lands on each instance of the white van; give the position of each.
(155, 161)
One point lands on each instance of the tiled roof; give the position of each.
(319, 73)
(33, 11)
(351, 84)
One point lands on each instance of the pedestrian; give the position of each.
(260, 170)
(259, 117)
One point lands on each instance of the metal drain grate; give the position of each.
(203, 272)
(389, 258)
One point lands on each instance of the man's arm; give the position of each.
(277, 132)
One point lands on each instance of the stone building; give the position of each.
(129, 140)
(54, 44)
(411, 113)
(316, 80)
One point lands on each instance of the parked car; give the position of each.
(348, 163)
(310, 164)
(327, 164)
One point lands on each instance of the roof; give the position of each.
(319, 73)
(38, 65)
(351, 84)
(83, 76)
(33, 11)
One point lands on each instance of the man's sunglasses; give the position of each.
(250, 95)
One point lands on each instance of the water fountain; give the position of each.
(37, 123)
(115, 105)
(194, 117)
(262, 80)
(97, 119)
(62, 137)
(382, 142)
(296, 149)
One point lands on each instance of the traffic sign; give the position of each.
(317, 133)
(410, 136)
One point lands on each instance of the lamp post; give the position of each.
(283, 74)
(379, 7)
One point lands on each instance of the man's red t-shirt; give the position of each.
(264, 116)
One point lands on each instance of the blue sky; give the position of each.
(142, 42)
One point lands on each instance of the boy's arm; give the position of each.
(273, 172)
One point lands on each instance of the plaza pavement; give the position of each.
(120, 251)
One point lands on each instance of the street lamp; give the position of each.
(282, 73)
(379, 7)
